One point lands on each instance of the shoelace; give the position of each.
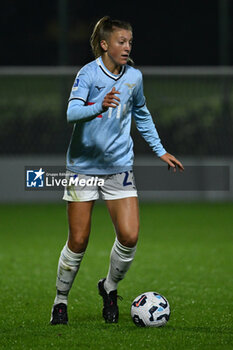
(118, 297)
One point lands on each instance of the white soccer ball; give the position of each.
(150, 309)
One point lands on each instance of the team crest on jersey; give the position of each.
(75, 86)
(130, 86)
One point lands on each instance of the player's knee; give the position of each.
(78, 243)
(128, 239)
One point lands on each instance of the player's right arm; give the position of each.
(77, 109)
(111, 100)
(78, 112)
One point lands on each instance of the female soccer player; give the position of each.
(106, 93)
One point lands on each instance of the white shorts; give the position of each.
(82, 188)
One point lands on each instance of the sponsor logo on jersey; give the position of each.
(99, 88)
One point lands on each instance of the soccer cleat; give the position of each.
(110, 308)
(59, 314)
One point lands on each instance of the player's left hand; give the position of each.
(172, 162)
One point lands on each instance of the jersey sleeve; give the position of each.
(81, 86)
(144, 121)
(77, 110)
(138, 96)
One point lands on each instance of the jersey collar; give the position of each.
(107, 72)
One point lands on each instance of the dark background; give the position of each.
(193, 113)
(167, 33)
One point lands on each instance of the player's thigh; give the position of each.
(124, 213)
(79, 219)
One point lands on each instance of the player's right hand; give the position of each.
(111, 100)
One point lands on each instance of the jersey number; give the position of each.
(118, 110)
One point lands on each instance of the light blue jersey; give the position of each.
(101, 142)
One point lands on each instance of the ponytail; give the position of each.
(102, 29)
(99, 33)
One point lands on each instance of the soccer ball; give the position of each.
(150, 310)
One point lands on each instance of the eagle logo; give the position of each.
(130, 86)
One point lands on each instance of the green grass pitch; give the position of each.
(185, 252)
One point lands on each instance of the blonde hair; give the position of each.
(103, 28)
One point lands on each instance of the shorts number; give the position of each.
(125, 181)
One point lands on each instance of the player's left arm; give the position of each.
(146, 127)
(172, 162)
